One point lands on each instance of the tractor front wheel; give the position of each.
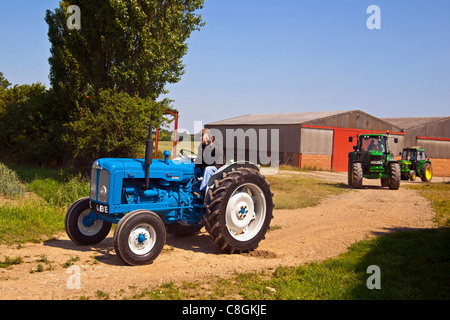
(139, 237)
(394, 179)
(412, 175)
(81, 227)
(356, 175)
(239, 210)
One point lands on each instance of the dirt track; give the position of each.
(304, 235)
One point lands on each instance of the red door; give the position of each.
(341, 147)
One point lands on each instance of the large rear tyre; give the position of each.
(139, 237)
(239, 210)
(426, 172)
(356, 175)
(81, 228)
(395, 172)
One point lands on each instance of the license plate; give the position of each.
(99, 208)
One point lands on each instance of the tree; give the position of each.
(131, 46)
(117, 129)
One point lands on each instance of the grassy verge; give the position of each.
(439, 196)
(40, 214)
(296, 191)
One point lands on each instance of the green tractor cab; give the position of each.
(371, 159)
(415, 163)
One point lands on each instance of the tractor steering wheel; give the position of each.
(182, 152)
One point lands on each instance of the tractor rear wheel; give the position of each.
(81, 227)
(239, 210)
(139, 237)
(394, 179)
(356, 175)
(426, 172)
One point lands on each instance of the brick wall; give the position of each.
(441, 167)
(319, 161)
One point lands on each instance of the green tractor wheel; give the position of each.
(356, 175)
(394, 180)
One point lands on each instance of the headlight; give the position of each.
(103, 190)
(375, 162)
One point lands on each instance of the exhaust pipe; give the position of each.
(148, 156)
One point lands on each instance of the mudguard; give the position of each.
(227, 168)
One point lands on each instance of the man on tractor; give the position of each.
(210, 158)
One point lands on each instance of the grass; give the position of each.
(8, 261)
(295, 191)
(439, 196)
(38, 217)
(31, 222)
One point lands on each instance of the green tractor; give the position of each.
(371, 159)
(415, 163)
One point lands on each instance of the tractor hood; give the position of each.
(375, 153)
(135, 168)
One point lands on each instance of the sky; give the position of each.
(282, 56)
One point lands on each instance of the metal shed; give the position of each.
(310, 139)
(431, 134)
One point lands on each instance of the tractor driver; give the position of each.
(210, 158)
(375, 145)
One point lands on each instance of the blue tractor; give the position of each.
(148, 197)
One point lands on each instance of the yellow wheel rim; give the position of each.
(428, 173)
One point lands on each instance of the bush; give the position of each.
(29, 132)
(10, 184)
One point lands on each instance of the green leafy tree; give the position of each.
(117, 129)
(132, 46)
(4, 84)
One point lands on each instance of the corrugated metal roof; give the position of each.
(278, 118)
(408, 123)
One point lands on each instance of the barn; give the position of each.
(431, 134)
(308, 140)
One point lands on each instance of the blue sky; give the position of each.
(267, 56)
